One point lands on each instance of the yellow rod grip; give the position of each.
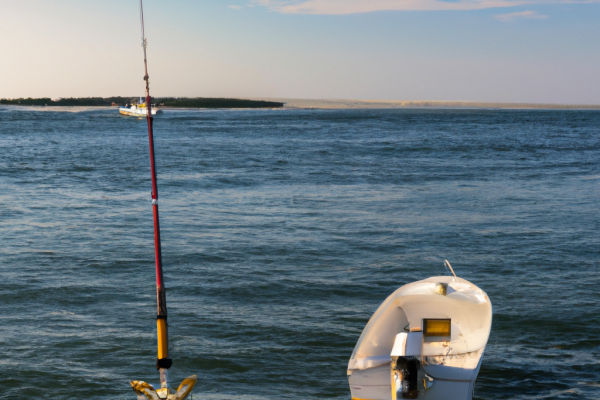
(163, 349)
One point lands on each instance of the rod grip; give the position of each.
(161, 329)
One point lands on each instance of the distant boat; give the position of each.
(425, 341)
(138, 110)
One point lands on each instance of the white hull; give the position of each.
(374, 384)
(135, 111)
(396, 336)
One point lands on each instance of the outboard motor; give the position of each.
(405, 366)
(405, 378)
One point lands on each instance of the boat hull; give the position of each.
(136, 112)
(374, 384)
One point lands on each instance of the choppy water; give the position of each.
(282, 233)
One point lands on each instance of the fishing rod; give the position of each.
(163, 362)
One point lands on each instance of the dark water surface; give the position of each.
(282, 233)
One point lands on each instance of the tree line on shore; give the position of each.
(184, 102)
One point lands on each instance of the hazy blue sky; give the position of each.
(490, 50)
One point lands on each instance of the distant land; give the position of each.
(287, 103)
(180, 102)
(372, 104)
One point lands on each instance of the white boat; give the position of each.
(425, 341)
(137, 110)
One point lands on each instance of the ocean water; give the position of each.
(283, 230)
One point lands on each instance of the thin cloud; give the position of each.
(235, 7)
(519, 15)
(333, 7)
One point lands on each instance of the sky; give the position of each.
(537, 51)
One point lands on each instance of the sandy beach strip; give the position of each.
(374, 104)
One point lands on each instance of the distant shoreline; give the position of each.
(179, 102)
(333, 104)
(290, 104)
